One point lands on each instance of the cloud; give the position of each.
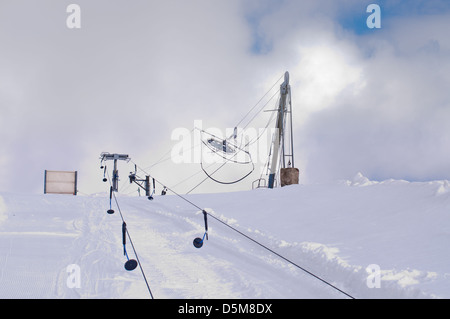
(393, 127)
(121, 83)
(374, 102)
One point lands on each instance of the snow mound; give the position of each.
(443, 188)
(360, 180)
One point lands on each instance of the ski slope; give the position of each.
(334, 231)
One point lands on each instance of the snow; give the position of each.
(62, 246)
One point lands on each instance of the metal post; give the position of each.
(284, 89)
(76, 183)
(147, 185)
(292, 131)
(115, 177)
(45, 182)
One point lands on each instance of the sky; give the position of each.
(369, 100)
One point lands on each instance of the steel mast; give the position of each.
(282, 151)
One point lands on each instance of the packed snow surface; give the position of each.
(370, 239)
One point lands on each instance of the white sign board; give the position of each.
(60, 182)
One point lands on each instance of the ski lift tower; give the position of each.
(115, 175)
(283, 144)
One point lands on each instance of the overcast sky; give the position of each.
(374, 101)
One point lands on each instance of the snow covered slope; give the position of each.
(334, 231)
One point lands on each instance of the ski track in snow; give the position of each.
(334, 231)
